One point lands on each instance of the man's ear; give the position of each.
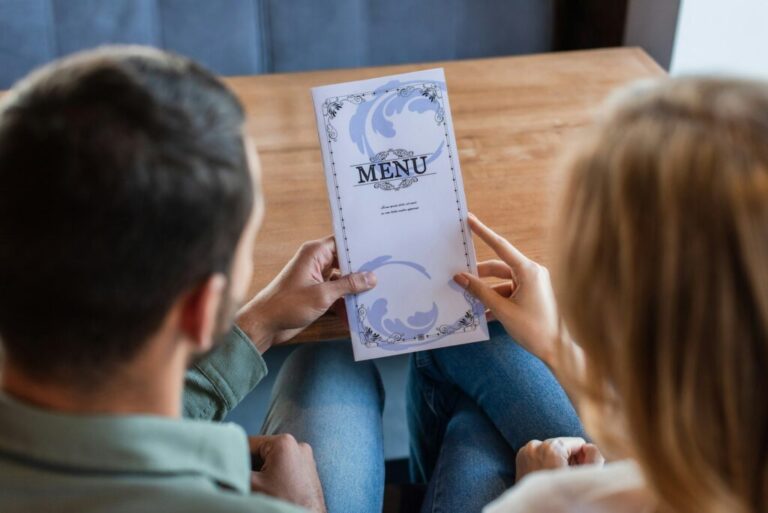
(200, 311)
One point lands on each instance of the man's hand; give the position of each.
(287, 471)
(555, 453)
(303, 291)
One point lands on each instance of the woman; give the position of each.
(660, 273)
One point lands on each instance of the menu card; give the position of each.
(398, 208)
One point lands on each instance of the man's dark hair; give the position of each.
(123, 184)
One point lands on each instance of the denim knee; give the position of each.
(335, 361)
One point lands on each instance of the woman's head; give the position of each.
(661, 271)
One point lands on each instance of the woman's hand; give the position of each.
(555, 453)
(525, 304)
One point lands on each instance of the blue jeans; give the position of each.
(322, 397)
(470, 408)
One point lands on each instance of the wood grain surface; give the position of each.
(513, 116)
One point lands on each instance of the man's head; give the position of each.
(124, 190)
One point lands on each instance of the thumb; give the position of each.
(489, 297)
(352, 283)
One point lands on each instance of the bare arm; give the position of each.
(525, 305)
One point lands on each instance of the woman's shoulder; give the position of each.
(613, 487)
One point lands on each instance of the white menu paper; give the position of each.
(398, 207)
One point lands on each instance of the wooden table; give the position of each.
(512, 117)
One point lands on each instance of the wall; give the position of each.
(651, 25)
(715, 36)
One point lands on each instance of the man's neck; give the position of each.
(150, 385)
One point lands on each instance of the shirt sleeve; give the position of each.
(221, 379)
(614, 487)
(536, 493)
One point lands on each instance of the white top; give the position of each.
(613, 488)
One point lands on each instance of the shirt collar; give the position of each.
(116, 444)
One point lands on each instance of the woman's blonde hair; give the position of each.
(661, 271)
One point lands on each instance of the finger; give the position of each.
(482, 291)
(339, 308)
(323, 251)
(331, 273)
(501, 246)
(504, 289)
(494, 268)
(566, 445)
(261, 445)
(328, 243)
(489, 316)
(307, 450)
(335, 262)
(532, 444)
(352, 283)
(590, 455)
(257, 481)
(262, 482)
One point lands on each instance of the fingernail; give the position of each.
(370, 278)
(461, 279)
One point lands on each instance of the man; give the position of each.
(127, 222)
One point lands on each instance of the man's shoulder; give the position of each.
(139, 497)
(193, 501)
(614, 487)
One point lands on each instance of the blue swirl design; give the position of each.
(376, 109)
(376, 329)
(395, 329)
(389, 100)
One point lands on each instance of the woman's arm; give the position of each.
(525, 305)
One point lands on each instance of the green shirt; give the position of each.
(139, 463)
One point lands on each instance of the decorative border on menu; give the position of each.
(330, 108)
